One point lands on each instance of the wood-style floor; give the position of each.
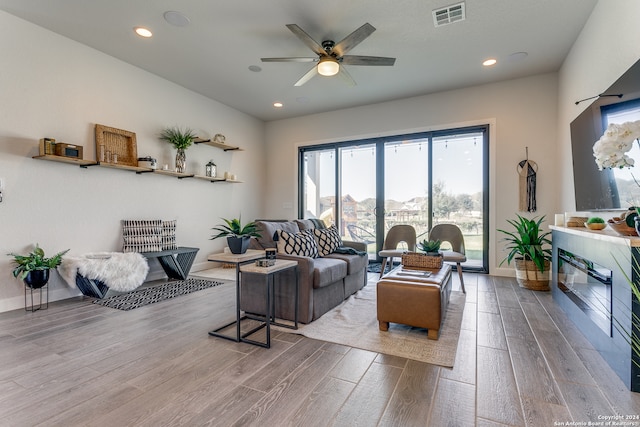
(520, 362)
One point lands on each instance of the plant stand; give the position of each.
(39, 291)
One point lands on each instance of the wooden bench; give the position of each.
(176, 263)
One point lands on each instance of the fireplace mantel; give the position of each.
(615, 255)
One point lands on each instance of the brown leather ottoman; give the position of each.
(414, 299)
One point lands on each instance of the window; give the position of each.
(365, 187)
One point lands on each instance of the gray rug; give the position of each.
(354, 323)
(153, 294)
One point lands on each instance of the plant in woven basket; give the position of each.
(430, 246)
(527, 242)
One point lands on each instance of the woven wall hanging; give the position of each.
(527, 169)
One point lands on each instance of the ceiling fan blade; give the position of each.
(367, 60)
(289, 59)
(353, 39)
(306, 39)
(346, 77)
(312, 72)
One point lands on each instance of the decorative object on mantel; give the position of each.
(624, 224)
(527, 170)
(181, 139)
(238, 237)
(610, 150)
(595, 223)
(219, 138)
(526, 248)
(576, 221)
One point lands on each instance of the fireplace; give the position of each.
(588, 285)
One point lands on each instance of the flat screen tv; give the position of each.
(606, 189)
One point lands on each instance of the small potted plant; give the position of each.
(181, 139)
(34, 268)
(238, 236)
(526, 246)
(595, 223)
(430, 247)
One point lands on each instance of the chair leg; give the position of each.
(384, 264)
(459, 267)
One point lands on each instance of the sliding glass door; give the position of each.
(366, 187)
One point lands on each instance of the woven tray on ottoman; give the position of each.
(422, 260)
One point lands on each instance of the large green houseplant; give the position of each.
(34, 267)
(181, 139)
(528, 246)
(238, 236)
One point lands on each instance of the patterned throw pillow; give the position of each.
(169, 235)
(301, 243)
(142, 235)
(328, 240)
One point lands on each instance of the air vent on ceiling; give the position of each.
(448, 15)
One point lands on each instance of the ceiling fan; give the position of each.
(332, 55)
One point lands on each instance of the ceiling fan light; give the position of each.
(328, 67)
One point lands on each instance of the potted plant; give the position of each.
(34, 268)
(238, 236)
(528, 247)
(430, 247)
(181, 139)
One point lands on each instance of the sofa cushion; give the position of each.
(355, 263)
(302, 243)
(267, 229)
(327, 271)
(328, 240)
(310, 224)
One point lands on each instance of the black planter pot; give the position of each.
(37, 278)
(238, 245)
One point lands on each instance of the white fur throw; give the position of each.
(121, 272)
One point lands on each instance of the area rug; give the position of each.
(154, 294)
(375, 267)
(354, 323)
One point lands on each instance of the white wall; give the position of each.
(522, 113)
(53, 87)
(607, 46)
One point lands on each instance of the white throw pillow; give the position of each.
(328, 240)
(302, 243)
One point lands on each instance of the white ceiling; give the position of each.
(212, 54)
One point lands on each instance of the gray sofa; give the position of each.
(324, 282)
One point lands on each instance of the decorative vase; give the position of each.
(238, 245)
(181, 160)
(37, 278)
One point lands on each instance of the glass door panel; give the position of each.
(319, 185)
(358, 195)
(406, 185)
(458, 189)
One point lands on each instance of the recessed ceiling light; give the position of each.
(489, 62)
(143, 32)
(278, 104)
(176, 18)
(255, 68)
